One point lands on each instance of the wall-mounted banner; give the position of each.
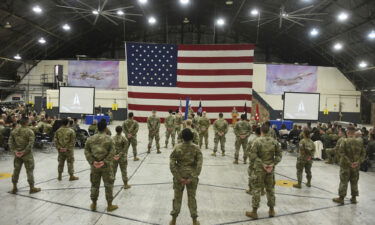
(291, 78)
(98, 74)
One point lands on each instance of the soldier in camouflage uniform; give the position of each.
(194, 121)
(130, 128)
(265, 154)
(332, 153)
(188, 124)
(242, 130)
(65, 140)
(121, 156)
(250, 169)
(220, 128)
(352, 154)
(177, 123)
(153, 124)
(92, 128)
(271, 131)
(203, 125)
(34, 127)
(20, 142)
(99, 152)
(185, 165)
(304, 160)
(169, 129)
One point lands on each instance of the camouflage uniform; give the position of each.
(332, 153)
(121, 149)
(220, 125)
(92, 129)
(195, 138)
(35, 129)
(265, 151)
(100, 147)
(65, 138)
(250, 169)
(195, 122)
(242, 130)
(177, 124)
(1, 135)
(351, 150)
(153, 124)
(203, 124)
(185, 163)
(304, 159)
(47, 128)
(130, 127)
(169, 130)
(22, 140)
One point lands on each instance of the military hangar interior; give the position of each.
(251, 92)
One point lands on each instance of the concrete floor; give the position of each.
(221, 194)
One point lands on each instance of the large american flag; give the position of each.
(159, 75)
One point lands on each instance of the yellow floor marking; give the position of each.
(5, 175)
(285, 183)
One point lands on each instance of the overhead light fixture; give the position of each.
(338, 46)
(371, 35)
(186, 20)
(7, 25)
(229, 2)
(142, 1)
(42, 40)
(220, 21)
(95, 12)
(37, 9)
(362, 64)
(184, 2)
(120, 13)
(314, 32)
(284, 15)
(342, 16)
(254, 12)
(66, 27)
(17, 57)
(151, 20)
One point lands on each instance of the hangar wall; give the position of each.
(336, 90)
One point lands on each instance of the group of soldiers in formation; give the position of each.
(260, 148)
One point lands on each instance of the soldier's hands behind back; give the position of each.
(98, 164)
(268, 168)
(19, 154)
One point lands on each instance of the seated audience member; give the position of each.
(371, 146)
(283, 130)
(316, 135)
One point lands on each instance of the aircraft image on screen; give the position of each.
(291, 81)
(301, 106)
(78, 100)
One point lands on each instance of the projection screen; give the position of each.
(301, 106)
(79, 100)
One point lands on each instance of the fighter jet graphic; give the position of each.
(301, 107)
(291, 81)
(76, 100)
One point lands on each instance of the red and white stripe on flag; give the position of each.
(220, 76)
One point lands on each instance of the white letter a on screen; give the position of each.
(76, 100)
(301, 107)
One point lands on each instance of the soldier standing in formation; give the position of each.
(203, 125)
(242, 130)
(20, 142)
(304, 160)
(121, 156)
(99, 152)
(177, 123)
(188, 124)
(352, 154)
(130, 128)
(169, 123)
(220, 129)
(153, 124)
(251, 166)
(265, 154)
(65, 140)
(185, 165)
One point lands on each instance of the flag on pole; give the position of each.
(159, 75)
(180, 108)
(245, 110)
(187, 108)
(200, 109)
(257, 112)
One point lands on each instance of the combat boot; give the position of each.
(149, 151)
(235, 161)
(213, 154)
(173, 221)
(339, 200)
(206, 146)
(253, 214)
(353, 200)
(263, 192)
(297, 185)
(93, 206)
(14, 190)
(248, 192)
(223, 154)
(111, 207)
(73, 178)
(136, 158)
(271, 212)
(244, 160)
(308, 184)
(196, 222)
(158, 151)
(34, 190)
(59, 177)
(166, 146)
(126, 186)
